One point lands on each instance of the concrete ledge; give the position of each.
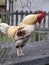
(35, 54)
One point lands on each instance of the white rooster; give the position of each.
(20, 34)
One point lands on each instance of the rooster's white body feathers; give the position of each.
(20, 34)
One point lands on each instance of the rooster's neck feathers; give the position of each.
(30, 19)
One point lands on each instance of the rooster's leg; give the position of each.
(21, 52)
(18, 52)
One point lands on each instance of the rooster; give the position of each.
(21, 33)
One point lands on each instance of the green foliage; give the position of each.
(41, 36)
(32, 38)
(4, 38)
(0, 20)
(36, 37)
(2, 0)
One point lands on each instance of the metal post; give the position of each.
(11, 10)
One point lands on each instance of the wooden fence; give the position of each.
(14, 18)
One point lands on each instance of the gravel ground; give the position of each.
(33, 51)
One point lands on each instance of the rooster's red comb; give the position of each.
(43, 14)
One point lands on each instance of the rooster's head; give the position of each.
(43, 14)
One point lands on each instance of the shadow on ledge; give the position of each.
(35, 54)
